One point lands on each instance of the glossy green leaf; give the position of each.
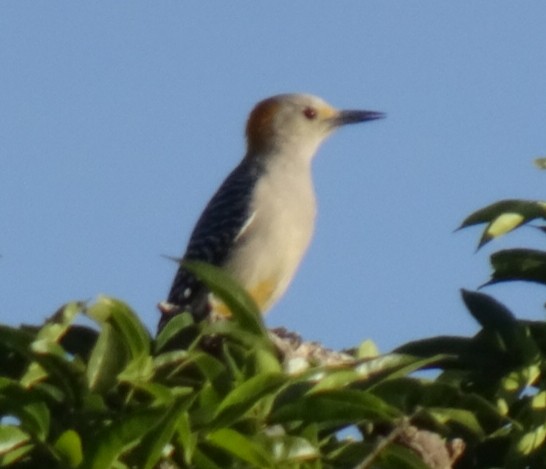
(46, 346)
(266, 361)
(505, 216)
(203, 460)
(291, 449)
(395, 365)
(185, 439)
(57, 326)
(239, 335)
(490, 313)
(37, 419)
(34, 374)
(69, 447)
(61, 372)
(435, 346)
(463, 417)
(116, 439)
(107, 359)
(538, 402)
(519, 264)
(519, 379)
(211, 368)
(367, 349)
(150, 449)
(241, 447)
(175, 327)
(139, 370)
(242, 306)
(335, 407)
(399, 457)
(337, 379)
(173, 359)
(125, 322)
(16, 340)
(15, 455)
(163, 395)
(246, 395)
(27, 406)
(532, 440)
(11, 437)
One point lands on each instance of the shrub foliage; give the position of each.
(220, 394)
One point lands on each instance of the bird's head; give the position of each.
(296, 123)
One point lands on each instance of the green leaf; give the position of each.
(505, 216)
(399, 457)
(15, 455)
(163, 395)
(241, 447)
(520, 378)
(69, 448)
(238, 335)
(185, 439)
(203, 460)
(37, 419)
(27, 405)
(291, 449)
(441, 345)
(139, 370)
(57, 326)
(519, 264)
(46, 346)
(245, 396)
(125, 322)
(367, 349)
(335, 407)
(336, 379)
(107, 359)
(512, 337)
(394, 365)
(531, 440)
(16, 340)
(490, 313)
(266, 361)
(169, 361)
(113, 441)
(538, 401)
(34, 374)
(177, 326)
(11, 437)
(211, 368)
(63, 374)
(49, 336)
(243, 308)
(150, 449)
(463, 417)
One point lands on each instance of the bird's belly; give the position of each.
(272, 248)
(268, 262)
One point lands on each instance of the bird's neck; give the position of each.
(294, 158)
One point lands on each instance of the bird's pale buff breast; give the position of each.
(278, 235)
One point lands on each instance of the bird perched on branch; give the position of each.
(259, 223)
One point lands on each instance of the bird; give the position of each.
(259, 223)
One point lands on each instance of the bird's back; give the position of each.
(213, 236)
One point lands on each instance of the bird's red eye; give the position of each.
(310, 113)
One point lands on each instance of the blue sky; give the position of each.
(119, 119)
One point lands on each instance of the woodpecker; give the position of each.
(259, 223)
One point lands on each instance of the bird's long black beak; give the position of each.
(354, 117)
